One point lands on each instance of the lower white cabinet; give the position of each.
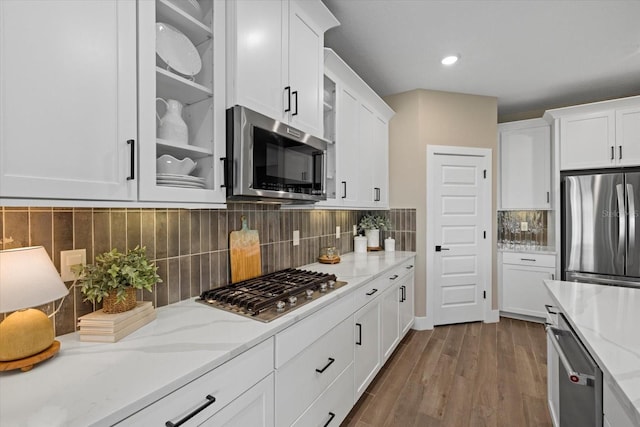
(407, 302)
(367, 349)
(198, 401)
(390, 327)
(523, 290)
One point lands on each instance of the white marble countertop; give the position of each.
(98, 384)
(530, 250)
(606, 318)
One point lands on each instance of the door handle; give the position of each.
(359, 342)
(331, 360)
(132, 173)
(394, 277)
(331, 417)
(373, 291)
(225, 171)
(613, 155)
(440, 248)
(295, 93)
(210, 401)
(344, 189)
(619, 152)
(632, 218)
(288, 91)
(622, 219)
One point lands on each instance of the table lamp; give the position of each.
(28, 279)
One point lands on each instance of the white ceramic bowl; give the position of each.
(169, 164)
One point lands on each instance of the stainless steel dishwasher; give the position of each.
(578, 375)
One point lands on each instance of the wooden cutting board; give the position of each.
(244, 249)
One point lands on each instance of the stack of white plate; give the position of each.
(182, 181)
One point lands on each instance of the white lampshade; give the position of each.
(28, 278)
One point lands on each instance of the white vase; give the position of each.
(172, 126)
(373, 238)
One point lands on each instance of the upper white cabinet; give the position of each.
(275, 59)
(599, 135)
(357, 124)
(201, 97)
(68, 125)
(525, 164)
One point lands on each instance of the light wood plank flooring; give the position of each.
(472, 374)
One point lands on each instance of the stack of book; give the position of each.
(102, 327)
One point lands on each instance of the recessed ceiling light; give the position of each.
(449, 60)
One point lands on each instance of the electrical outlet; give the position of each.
(337, 231)
(296, 237)
(68, 259)
(355, 229)
(524, 226)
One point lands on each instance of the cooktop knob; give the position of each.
(332, 284)
(323, 287)
(293, 299)
(280, 306)
(309, 293)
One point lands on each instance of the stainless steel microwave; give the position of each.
(267, 160)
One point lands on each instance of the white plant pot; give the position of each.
(373, 238)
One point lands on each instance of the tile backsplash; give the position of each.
(189, 246)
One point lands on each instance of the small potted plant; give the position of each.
(115, 277)
(371, 225)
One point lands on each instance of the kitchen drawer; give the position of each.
(299, 382)
(370, 291)
(225, 383)
(333, 405)
(302, 334)
(531, 259)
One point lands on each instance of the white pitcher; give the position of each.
(172, 127)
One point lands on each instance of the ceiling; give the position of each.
(532, 55)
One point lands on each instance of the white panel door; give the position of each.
(68, 99)
(306, 72)
(459, 267)
(628, 137)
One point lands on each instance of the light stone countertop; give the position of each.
(607, 320)
(98, 384)
(524, 250)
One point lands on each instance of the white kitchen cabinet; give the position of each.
(202, 97)
(207, 395)
(407, 301)
(361, 154)
(275, 59)
(68, 100)
(523, 290)
(525, 165)
(628, 136)
(367, 356)
(390, 319)
(588, 141)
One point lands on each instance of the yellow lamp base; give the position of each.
(27, 363)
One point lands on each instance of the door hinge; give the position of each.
(484, 234)
(485, 174)
(484, 294)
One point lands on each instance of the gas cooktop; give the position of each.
(268, 297)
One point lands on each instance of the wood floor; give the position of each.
(473, 374)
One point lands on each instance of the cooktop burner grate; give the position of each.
(270, 296)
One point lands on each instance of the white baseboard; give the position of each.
(422, 323)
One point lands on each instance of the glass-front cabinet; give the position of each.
(181, 89)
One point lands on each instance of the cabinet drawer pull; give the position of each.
(331, 417)
(295, 93)
(394, 277)
(528, 259)
(409, 267)
(288, 90)
(210, 401)
(132, 173)
(359, 342)
(373, 291)
(331, 360)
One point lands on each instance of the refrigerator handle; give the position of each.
(622, 219)
(632, 218)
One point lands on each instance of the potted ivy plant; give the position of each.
(115, 277)
(371, 225)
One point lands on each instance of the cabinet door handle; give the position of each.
(288, 91)
(225, 171)
(210, 401)
(612, 153)
(404, 293)
(132, 173)
(401, 293)
(295, 93)
(619, 152)
(359, 342)
(372, 292)
(331, 360)
(344, 189)
(548, 197)
(394, 277)
(331, 417)
(553, 276)
(376, 194)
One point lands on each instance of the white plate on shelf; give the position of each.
(176, 50)
(190, 7)
(168, 184)
(181, 178)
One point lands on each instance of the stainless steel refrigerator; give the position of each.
(601, 228)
